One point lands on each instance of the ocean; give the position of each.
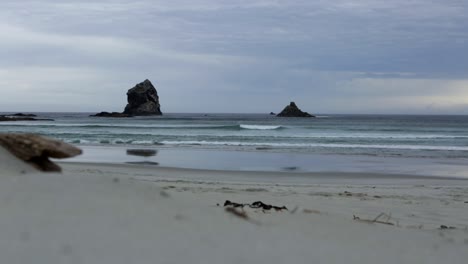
(374, 135)
(385, 144)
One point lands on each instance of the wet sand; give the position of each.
(269, 161)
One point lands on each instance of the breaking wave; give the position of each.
(259, 127)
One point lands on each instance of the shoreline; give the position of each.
(245, 161)
(261, 176)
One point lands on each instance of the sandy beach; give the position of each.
(108, 213)
(233, 132)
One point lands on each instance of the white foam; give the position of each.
(379, 136)
(143, 142)
(259, 127)
(318, 145)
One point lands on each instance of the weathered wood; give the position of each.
(36, 150)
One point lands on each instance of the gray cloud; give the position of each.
(409, 55)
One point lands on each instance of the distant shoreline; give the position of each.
(242, 113)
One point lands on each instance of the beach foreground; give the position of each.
(98, 213)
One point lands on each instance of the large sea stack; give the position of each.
(293, 111)
(142, 100)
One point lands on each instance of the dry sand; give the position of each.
(98, 213)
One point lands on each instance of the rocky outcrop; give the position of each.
(24, 115)
(6, 118)
(143, 99)
(293, 111)
(113, 114)
(36, 150)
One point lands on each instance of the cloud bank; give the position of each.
(343, 56)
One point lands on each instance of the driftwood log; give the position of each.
(36, 150)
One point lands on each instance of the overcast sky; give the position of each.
(342, 56)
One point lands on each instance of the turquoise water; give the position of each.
(375, 135)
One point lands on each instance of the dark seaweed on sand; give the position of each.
(255, 205)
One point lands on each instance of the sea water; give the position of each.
(371, 135)
(382, 144)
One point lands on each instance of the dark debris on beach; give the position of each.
(447, 227)
(255, 205)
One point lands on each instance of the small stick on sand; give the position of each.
(294, 210)
(376, 220)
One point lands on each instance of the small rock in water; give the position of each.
(293, 111)
(7, 118)
(142, 152)
(113, 114)
(292, 168)
(143, 163)
(262, 148)
(24, 115)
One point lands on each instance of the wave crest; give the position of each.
(259, 127)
